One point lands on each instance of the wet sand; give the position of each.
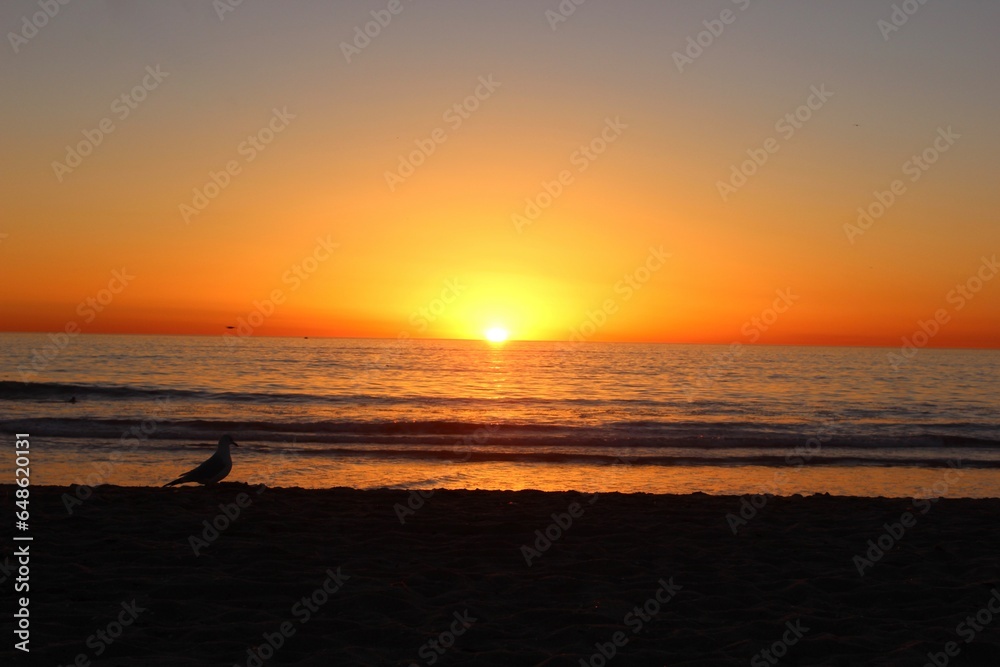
(135, 576)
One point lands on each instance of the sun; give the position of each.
(496, 334)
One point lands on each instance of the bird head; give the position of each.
(226, 440)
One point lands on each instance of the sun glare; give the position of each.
(496, 334)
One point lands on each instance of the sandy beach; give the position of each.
(230, 574)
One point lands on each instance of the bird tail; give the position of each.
(179, 480)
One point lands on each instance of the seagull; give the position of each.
(214, 469)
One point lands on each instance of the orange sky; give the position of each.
(634, 238)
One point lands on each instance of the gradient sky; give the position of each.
(450, 223)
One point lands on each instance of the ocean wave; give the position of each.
(107, 393)
(57, 391)
(63, 392)
(613, 457)
(796, 439)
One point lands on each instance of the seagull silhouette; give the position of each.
(214, 469)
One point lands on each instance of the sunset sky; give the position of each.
(614, 122)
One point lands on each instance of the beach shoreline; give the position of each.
(226, 574)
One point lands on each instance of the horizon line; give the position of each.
(514, 340)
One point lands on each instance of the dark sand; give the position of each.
(461, 554)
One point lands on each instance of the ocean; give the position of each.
(593, 417)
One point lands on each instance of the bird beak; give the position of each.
(235, 444)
